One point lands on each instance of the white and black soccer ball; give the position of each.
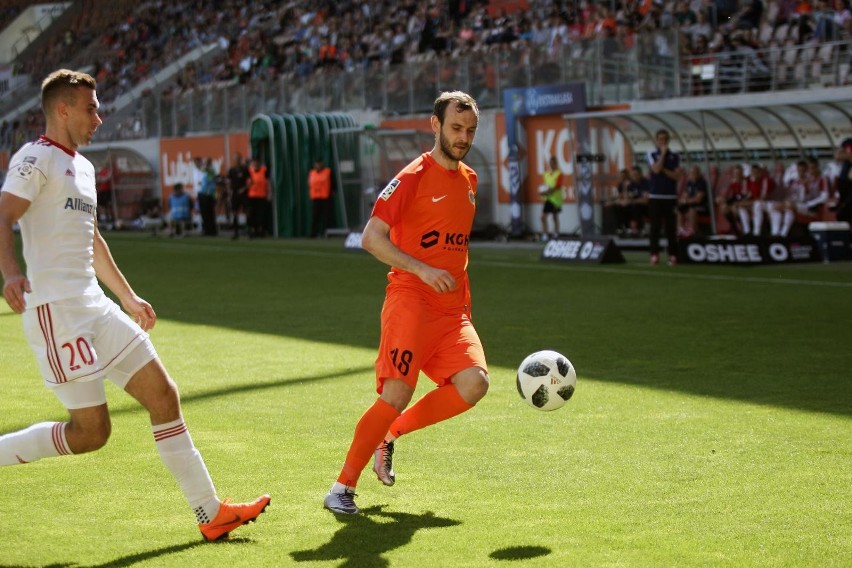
(546, 380)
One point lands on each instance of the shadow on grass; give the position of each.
(215, 393)
(318, 292)
(128, 560)
(364, 538)
(520, 552)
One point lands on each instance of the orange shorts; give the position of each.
(418, 337)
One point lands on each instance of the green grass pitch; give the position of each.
(711, 426)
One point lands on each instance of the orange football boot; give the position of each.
(231, 516)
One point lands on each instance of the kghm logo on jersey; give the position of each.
(457, 242)
(430, 239)
(389, 189)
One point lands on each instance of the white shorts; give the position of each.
(79, 342)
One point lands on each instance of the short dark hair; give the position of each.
(62, 85)
(462, 100)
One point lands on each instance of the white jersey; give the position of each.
(58, 228)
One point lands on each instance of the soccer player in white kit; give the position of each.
(79, 336)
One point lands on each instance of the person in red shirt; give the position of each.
(420, 226)
(753, 189)
(319, 186)
(104, 185)
(727, 202)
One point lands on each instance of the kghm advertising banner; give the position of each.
(533, 101)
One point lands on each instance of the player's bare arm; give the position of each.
(15, 283)
(108, 273)
(376, 241)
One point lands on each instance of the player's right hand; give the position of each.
(440, 280)
(13, 290)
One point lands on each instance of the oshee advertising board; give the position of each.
(747, 252)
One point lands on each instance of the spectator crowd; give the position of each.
(126, 41)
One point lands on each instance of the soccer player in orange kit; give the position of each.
(420, 226)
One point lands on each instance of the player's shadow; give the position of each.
(128, 560)
(362, 540)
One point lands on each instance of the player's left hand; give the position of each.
(141, 312)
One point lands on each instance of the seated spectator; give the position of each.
(637, 201)
(180, 211)
(615, 206)
(750, 14)
(151, 218)
(701, 27)
(727, 202)
(816, 191)
(771, 199)
(692, 202)
(684, 17)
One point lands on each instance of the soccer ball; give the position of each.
(546, 380)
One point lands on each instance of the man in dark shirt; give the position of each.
(844, 181)
(662, 198)
(238, 181)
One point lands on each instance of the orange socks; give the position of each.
(439, 404)
(369, 433)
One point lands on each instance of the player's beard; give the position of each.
(449, 151)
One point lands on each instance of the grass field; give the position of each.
(712, 423)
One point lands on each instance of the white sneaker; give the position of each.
(383, 463)
(343, 503)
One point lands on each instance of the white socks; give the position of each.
(340, 488)
(744, 220)
(184, 462)
(775, 222)
(42, 440)
(789, 217)
(758, 217)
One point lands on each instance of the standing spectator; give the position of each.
(662, 197)
(692, 202)
(258, 194)
(553, 193)
(426, 316)
(238, 177)
(207, 200)
(844, 181)
(319, 184)
(180, 211)
(79, 336)
(106, 192)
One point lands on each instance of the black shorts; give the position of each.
(549, 207)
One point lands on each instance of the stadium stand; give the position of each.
(166, 68)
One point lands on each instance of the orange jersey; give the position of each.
(430, 213)
(319, 183)
(259, 184)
